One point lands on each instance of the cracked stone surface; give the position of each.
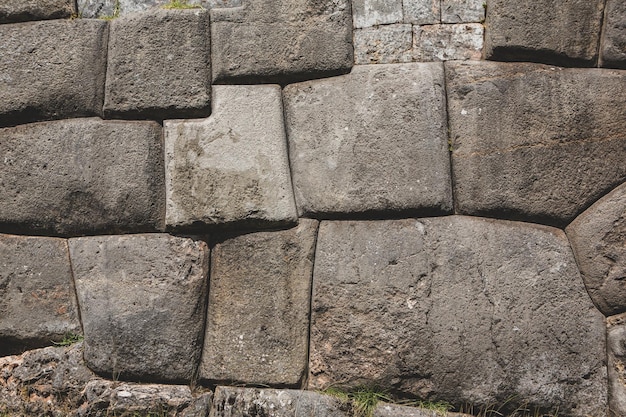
(464, 309)
(24, 10)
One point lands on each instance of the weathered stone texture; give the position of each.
(395, 410)
(456, 308)
(367, 13)
(231, 168)
(159, 65)
(616, 353)
(534, 142)
(51, 70)
(563, 32)
(82, 176)
(37, 301)
(24, 10)
(386, 44)
(448, 42)
(142, 300)
(373, 141)
(422, 12)
(258, 315)
(462, 11)
(281, 40)
(598, 237)
(613, 46)
(107, 8)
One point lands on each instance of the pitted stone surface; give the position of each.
(258, 315)
(422, 12)
(456, 308)
(613, 45)
(616, 353)
(598, 237)
(37, 301)
(534, 142)
(388, 44)
(51, 70)
(563, 32)
(373, 141)
(448, 42)
(142, 300)
(82, 176)
(463, 11)
(367, 13)
(231, 168)
(107, 8)
(24, 10)
(281, 40)
(159, 65)
(395, 410)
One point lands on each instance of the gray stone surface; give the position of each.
(386, 44)
(24, 10)
(367, 13)
(462, 309)
(563, 32)
(159, 65)
(258, 315)
(107, 8)
(616, 353)
(448, 42)
(37, 301)
(533, 142)
(233, 402)
(281, 41)
(613, 45)
(422, 12)
(231, 168)
(142, 300)
(463, 11)
(395, 410)
(82, 176)
(51, 70)
(373, 141)
(598, 237)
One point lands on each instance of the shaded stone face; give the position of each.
(142, 301)
(24, 10)
(466, 310)
(613, 44)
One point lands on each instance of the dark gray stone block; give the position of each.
(24, 10)
(613, 44)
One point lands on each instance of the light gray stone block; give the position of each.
(598, 237)
(281, 41)
(422, 12)
(231, 168)
(159, 65)
(37, 301)
(463, 11)
(82, 176)
(532, 142)
(258, 315)
(367, 13)
(616, 353)
(460, 309)
(51, 70)
(107, 8)
(613, 44)
(395, 410)
(24, 10)
(142, 302)
(386, 44)
(373, 142)
(448, 42)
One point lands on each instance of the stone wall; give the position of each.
(422, 197)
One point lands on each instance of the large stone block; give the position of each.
(82, 176)
(258, 315)
(448, 42)
(463, 11)
(159, 65)
(561, 32)
(373, 141)
(24, 10)
(598, 237)
(613, 44)
(109, 8)
(281, 41)
(51, 70)
(387, 44)
(533, 142)
(231, 168)
(37, 301)
(461, 309)
(616, 353)
(367, 13)
(142, 302)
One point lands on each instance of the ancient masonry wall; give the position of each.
(423, 196)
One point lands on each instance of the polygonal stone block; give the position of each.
(24, 10)
(613, 43)
(388, 44)
(367, 13)
(448, 42)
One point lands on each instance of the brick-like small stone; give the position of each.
(386, 44)
(373, 141)
(37, 301)
(142, 302)
(159, 65)
(82, 176)
(231, 168)
(258, 316)
(24, 10)
(51, 70)
(613, 44)
(367, 13)
(448, 42)
(422, 12)
(463, 11)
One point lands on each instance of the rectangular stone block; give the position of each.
(143, 303)
(386, 44)
(373, 142)
(463, 11)
(51, 70)
(613, 43)
(232, 168)
(159, 65)
(82, 176)
(258, 315)
(422, 12)
(367, 13)
(107, 8)
(448, 42)
(24, 10)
